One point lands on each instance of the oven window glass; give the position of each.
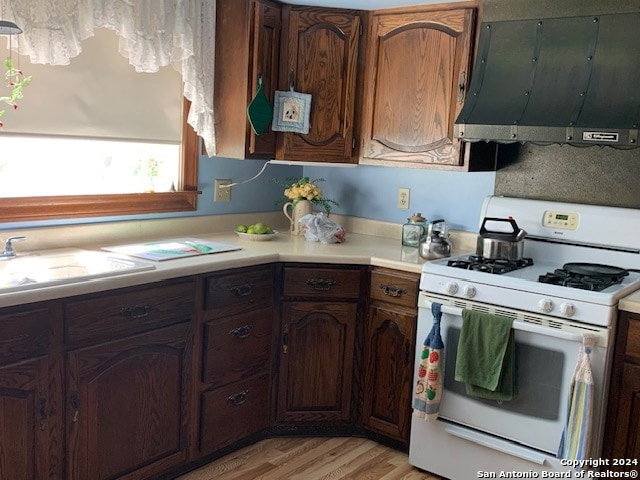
(538, 379)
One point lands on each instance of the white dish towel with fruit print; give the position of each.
(428, 394)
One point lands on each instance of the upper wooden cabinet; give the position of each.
(247, 48)
(416, 73)
(320, 57)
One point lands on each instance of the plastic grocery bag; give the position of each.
(319, 228)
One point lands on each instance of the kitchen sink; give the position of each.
(58, 267)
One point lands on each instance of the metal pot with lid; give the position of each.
(498, 244)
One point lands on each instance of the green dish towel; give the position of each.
(485, 361)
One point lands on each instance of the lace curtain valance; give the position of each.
(153, 33)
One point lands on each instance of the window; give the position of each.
(99, 163)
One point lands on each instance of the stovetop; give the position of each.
(594, 281)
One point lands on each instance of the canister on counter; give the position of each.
(414, 230)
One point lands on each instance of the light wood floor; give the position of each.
(296, 458)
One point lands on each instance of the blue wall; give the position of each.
(365, 191)
(372, 192)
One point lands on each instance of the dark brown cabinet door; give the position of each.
(319, 58)
(247, 35)
(316, 362)
(416, 75)
(622, 432)
(24, 421)
(626, 444)
(388, 371)
(126, 403)
(264, 63)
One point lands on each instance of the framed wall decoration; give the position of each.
(291, 112)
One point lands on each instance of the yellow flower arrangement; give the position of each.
(305, 189)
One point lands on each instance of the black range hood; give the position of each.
(555, 71)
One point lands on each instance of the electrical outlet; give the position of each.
(220, 192)
(403, 198)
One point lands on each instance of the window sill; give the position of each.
(21, 209)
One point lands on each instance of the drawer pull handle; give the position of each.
(243, 290)
(138, 311)
(392, 290)
(238, 398)
(321, 283)
(241, 332)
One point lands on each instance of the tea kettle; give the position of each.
(436, 243)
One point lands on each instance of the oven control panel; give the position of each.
(564, 220)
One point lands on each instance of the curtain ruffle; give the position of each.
(153, 34)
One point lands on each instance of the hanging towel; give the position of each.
(259, 111)
(485, 360)
(576, 436)
(428, 392)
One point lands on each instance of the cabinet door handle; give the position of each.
(407, 354)
(241, 332)
(242, 290)
(285, 338)
(42, 413)
(392, 290)
(321, 283)
(74, 400)
(238, 398)
(462, 86)
(135, 312)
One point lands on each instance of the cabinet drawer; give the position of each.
(128, 312)
(237, 347)
(321, 282)
(23, 334)
(633, 339)
(391, 286)
(237, 292)
(233, 412)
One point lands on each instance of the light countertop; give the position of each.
(358, 249)
(631, 303)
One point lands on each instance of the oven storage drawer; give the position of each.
(395, 287)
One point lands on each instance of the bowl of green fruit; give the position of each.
(258, 232)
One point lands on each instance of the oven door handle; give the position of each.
(500, 445)
(525, 327)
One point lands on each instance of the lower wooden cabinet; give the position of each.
(236, 357)
(29, 416)
(125, 406)
(24, 421)
(316, 362)
(389, 343)
(622, 433)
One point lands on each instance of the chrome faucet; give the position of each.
(9, 252)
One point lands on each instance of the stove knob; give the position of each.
(545, 305)
(567, 309)
(451, 288)
(469, 291)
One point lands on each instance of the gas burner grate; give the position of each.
(595, 283)
(496, 266)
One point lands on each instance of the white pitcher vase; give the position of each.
(298, 210)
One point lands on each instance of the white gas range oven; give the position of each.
(551, 310)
